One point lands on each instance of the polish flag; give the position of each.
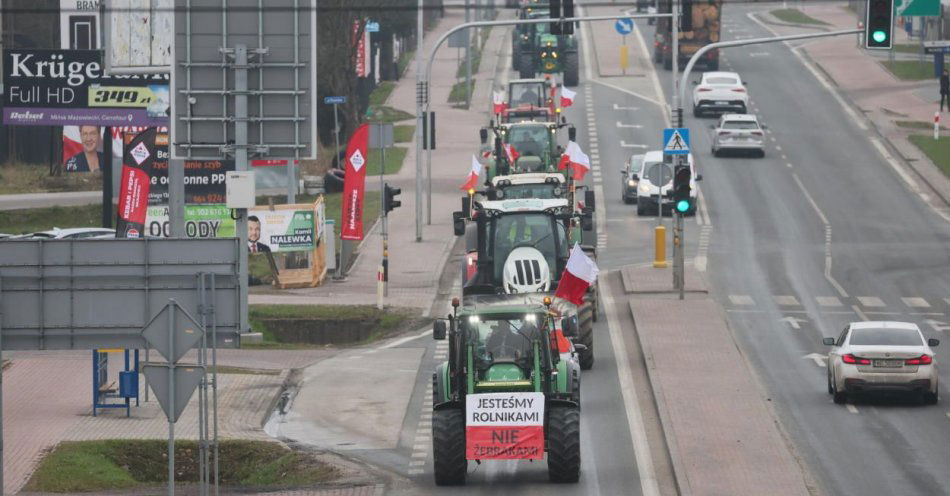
(473, 175)
(486, 154)
(576, 159)
(580, 274)
(511, 153)
(567, 97)
(498, 102)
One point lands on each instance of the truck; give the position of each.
(706, 17)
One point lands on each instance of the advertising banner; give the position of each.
(204, 180)
(504, 426)
(354, 184)
(201, 221)
(133, 187)
(281, 230)
(68, 88)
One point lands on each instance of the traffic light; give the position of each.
(879, 28)
(389, 198)
(681, 199)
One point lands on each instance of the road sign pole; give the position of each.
(172, 307)
(421, 101)
(468, 59)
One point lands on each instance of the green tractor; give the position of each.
(505, 391)
(522, 36)
(532, 144)
(550, 54)
(521, 247)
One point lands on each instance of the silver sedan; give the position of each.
(738, 132)
(882, 357)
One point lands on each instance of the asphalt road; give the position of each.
(821, 232)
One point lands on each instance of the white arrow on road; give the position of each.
(631, 145)
(634, 126)
(937, 325)
(618, 107)
(793, 321)
(818, 358)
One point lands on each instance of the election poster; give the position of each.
(354, 184)
(281, 230)
(133, 187)
(201, 221)
(504, 426)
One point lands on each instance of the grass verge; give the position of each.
(387, 321)
(906, 48)
(40, 219)
(402, 133)
(381, 93)
(35, 178)
(395, 155)
(94, 466)
(403, 63)
(910, 70)
(383, 113)
(457, 94)
(795, 16)
(923, 125)
(938, 151)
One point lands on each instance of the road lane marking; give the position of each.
(787, 300)
(871, 301)
(818, 358)
(416, 471)
(824, 220)
(417, 463)
(915, 302)
(760, 54)
(793, 322)
(860, 313)
(741, 300)
(618, 107)
(828, 301)
(401, 341)
(631, 126)
(851, 408)
(420, 454)
(624, 144)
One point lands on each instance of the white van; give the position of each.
(651, 196)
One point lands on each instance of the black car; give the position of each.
(631, 178)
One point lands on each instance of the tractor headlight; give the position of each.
(524, 37)
(632, 183)
(530, 318)
(554, 54)
(473, 319)
(544, 54)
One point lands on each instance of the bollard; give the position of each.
(659, 261)
(624, 58)
(936, 125)
(379, 287)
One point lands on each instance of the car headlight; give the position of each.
(632, 183)
(644, 188)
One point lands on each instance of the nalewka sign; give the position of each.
(68, 88)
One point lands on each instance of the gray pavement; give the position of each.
(58, 199)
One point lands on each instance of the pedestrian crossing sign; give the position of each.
(676, 141)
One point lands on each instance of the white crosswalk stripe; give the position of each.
(871, 301)
(741, 300)
(915, 302)
(828, 301)
(786, 300)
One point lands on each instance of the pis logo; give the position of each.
(132, 233)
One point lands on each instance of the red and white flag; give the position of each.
(511, 153)
(498, 102)
(567, 97)
(580, 274)
(576, 159)
(473, 175)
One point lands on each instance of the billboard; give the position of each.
(69, 88)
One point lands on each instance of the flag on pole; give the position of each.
(511, 153)
(567, 97)
(575, 159)
(473, 175)
(498, 102)
(580, 274)
(354, 184)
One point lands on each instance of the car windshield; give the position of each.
(530, 140)
(511, 231)
(503, 336)
(636, 163)
(885, 337)
(722, 80)
(543, 191)
(740, 125)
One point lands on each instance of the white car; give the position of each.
(71, 233)
(719, 92)
(738, 132)
(881, 357)
(652, 197)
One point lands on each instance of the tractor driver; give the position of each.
(504, 342)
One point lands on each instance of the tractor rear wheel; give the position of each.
(448, 447)
(526, 65)
(571, 69)
(585, 335)
(564, 444)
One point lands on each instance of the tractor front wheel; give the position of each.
(571, 69)
(564, 444)
(448, 447)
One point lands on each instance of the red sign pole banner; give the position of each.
(354, 183)
(137, 157)
(504, 426)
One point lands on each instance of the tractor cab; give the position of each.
(529, 99)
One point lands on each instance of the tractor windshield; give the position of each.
(543, 191)
(526, 94)
(533, 230)
(507, 337)
(533, 141)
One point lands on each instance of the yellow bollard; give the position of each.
(660, 247)
(624, 58)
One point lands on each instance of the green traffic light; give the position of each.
(879, 36)
(682, 206)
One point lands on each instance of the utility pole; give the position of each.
(677, 118)
(468, 56)
(421, 98)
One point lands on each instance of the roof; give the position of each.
(884, 324)
(504, 303)
(526, 81)
(740, 117)
(529, 178)
(722, 74)
(524, 205)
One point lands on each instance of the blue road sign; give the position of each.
(624, 26)
(334, 100)
(372, 27)
(676, 141)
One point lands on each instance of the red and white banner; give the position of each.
(498, 102)
(140, 152)
(354, 184)
(576, 159)
(511, 153)
(362, 49)
(580, 274)
(504, 426)
(567, 97)
(473, 175)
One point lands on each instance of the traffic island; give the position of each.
(319, 325)
(138, 465)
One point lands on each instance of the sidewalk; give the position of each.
(880, 96)
(47, 399)
(415, 267)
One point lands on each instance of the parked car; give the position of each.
(881, 357)
(71, 233)
(653, 198)
(738, 132)
(631, 178)
(719, 92)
